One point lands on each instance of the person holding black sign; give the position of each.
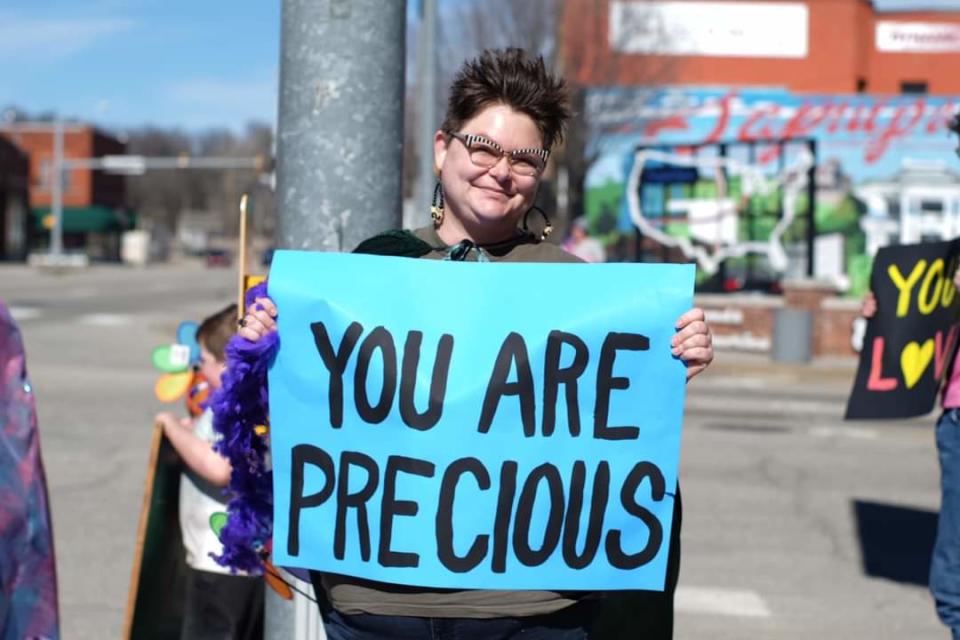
(505, 113)
(945, 560)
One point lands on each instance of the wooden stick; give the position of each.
(243, 256)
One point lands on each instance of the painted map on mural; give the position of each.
(885, 172)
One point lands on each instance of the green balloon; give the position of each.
(171, 358)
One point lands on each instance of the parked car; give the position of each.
(218, 258)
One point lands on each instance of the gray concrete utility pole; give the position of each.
(56, 195)
(339, 156)
(427, 121)
(340, 130)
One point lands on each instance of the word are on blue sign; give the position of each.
(476, 425)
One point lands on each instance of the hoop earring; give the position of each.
(436, 208)
(547, 225)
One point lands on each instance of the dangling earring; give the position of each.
(547, 225)
(436, 208)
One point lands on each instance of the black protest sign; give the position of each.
(910, 342)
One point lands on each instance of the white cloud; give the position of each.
(49, 39)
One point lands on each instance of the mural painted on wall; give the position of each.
(725, 176)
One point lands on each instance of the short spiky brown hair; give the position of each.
(512, 78)
(216, 330)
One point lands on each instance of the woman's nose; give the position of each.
(501, 170)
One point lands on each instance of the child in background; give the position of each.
(218, 604)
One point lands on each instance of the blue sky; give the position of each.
(187, 63)
(913, 5)
(193, 64)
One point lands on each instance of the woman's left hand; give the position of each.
(693, 343)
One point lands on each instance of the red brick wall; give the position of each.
(841, 51)
(740, 322)
(887, 70)
(37, 142)
(13, 165)
(83, 187)
(745, 322)
(834, 327)
(108, 189)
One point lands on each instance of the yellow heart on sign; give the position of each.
(914, 360)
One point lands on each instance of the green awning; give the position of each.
(83, 219)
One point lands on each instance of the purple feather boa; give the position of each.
(240, 405)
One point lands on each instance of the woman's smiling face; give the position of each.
(488, 200)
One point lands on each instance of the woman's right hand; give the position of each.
(259, 320)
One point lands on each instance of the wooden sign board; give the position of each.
(158, 579)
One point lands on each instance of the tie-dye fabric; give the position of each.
(28, 583)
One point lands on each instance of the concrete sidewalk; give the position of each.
(752, 386)
(823, 370)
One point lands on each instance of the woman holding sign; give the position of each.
(505, 114)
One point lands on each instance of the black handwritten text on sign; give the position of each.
(565, 489)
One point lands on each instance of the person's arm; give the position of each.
(693, 342)
(868, 307)
(197, 453)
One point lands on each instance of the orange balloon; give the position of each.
(171, 386)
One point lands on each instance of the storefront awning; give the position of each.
(94, 218)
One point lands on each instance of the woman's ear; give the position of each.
(440, 142)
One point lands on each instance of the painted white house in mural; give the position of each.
(921, 202)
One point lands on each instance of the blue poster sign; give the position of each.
(476, 425)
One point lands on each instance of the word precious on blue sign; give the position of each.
(476, 425)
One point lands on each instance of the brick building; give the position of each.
(93, 201)
(812, 46)
(751, 92)
(14, 201)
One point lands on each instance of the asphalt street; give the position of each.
(796, 524)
